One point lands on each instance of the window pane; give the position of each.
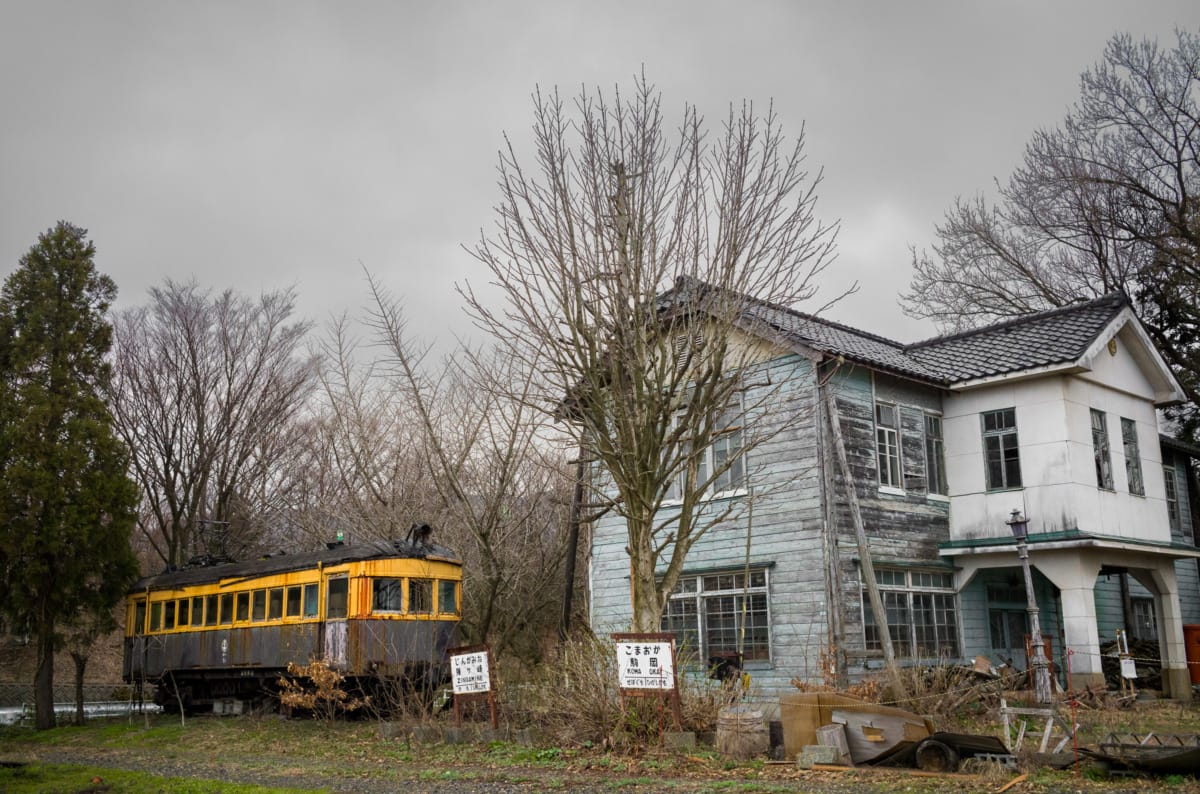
(226, 609)
(293, 602)
(198, 611)
(258, 605)
(337, 596)
(387, 595)
(169, 615)
(680, 619)
(1100, 450)
(210, 610)
(182, 614)
(420, 596)
(139, 618)
(1172, 495)
(1133, 458)
(243, 606)
(310, 601)
(935, 464)
(447, 597)
(156, 616)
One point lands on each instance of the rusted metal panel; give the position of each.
(389, 646)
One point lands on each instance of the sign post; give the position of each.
(472, 679)
(646, 668)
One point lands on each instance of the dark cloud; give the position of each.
(262, 145)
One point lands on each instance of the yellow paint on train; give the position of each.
(383, 589)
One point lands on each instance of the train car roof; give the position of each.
(285, 563)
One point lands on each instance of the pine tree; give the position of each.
(66, 502)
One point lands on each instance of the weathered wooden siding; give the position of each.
(785, 528)
(901, 528)
(1187, 572)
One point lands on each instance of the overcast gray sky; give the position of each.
(260, 145)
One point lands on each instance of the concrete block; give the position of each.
(817, 754)
(679, 740)
(527, 737)
(427, 734)
(489, 734)
(393, 730)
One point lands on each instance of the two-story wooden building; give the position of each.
(1053, 415)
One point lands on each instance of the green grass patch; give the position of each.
(40, 778)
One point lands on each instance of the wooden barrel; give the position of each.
(742, 732)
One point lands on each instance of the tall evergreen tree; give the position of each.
(66, 501)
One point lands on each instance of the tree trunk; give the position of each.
(81, 661)
(43, 680)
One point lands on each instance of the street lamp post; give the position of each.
(1041, 666)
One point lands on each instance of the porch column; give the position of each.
(1176, 682)
(1082, 636)
(1074, 575)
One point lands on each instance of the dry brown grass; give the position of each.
(574, 699)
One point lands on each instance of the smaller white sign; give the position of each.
(469, 673)
(1128, 668)
(645, 665)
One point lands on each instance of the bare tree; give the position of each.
(408, 438)
(1106, 201)
(615, 210)
(205, 391)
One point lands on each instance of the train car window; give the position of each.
(275, 603)
(386, 595)
(182, 613)
(420, 596)
(310, 601)
(243, 607)
(210, 610)
(139, 617)
(258, 605)
(293, 602)
(198, 611)
(447, 597)
(336, 597)
(156, 616)
(226, 608)
(169, 615)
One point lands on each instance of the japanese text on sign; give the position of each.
(645, 665)
(469, 673)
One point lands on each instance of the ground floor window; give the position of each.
(1144, 626)
(712, 614)
(922, 613)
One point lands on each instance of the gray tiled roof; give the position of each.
(841, 340)
(1037, 340)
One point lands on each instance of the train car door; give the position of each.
(337, 597)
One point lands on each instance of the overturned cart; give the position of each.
(875, 735)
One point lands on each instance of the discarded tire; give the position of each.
(935, 756)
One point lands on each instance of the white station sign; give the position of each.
(645, 665)
(469, 673)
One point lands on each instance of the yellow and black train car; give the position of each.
(225, 633)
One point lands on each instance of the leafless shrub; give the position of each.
(317, 688)
(574, 699)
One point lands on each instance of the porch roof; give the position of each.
(1067, 539)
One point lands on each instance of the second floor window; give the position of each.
(1100, 450)
(935, 455)
(1133, 459)
(887, 445)
(1002, 458)
(723, 460)
(1172, 495)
